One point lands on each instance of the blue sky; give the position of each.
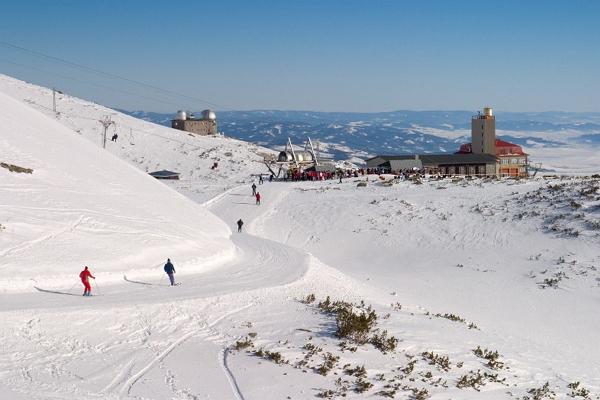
(323, 55)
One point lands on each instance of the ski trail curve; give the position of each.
(229, 374)
(128, 385)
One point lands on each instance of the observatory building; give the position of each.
(205, 125)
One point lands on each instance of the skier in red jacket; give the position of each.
(85, 276)
(257, 198)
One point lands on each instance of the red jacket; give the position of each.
(258, 196)
(85, 275)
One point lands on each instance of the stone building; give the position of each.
(205, 125)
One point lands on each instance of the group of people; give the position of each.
(261, 179)
(86, 274)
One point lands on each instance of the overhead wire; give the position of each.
(137, 95)
(135, 129)
(108, 74)
(73, 115)
(125, 125)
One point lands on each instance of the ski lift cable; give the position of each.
(107, 74)
(73, 115)
(133, 94)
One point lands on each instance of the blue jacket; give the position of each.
(169, 268)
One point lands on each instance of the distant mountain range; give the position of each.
(354, 136)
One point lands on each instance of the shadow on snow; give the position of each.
(55, 292)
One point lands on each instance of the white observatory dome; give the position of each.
(209, 114)
(181, 115)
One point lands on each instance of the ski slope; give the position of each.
(448, 266)
(148, 146)
(83, 206)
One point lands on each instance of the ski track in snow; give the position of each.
(230, 377)
(126, 388)
(122, 343)
(27, 244)
(266, 253)
(206, 333)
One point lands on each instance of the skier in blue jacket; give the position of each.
(170, 270)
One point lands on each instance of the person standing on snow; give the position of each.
(258, 198)
(85, 276)
(240, 223)
(260, 179)
(253, 189)
(170, 270)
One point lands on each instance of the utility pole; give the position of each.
(106, 122)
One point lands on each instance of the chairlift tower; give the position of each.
(106, 123)
(54, 91)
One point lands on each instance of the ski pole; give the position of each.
(97, 288)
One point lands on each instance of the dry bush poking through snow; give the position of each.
(16, 168)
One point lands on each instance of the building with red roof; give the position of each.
(512, 160)
(484, 156)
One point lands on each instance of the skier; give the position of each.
(260, 179)
(253, 189)
(85, 276)
(114, 137)
(258, 198)
(240, 223)
(170, 270)
(271, 178)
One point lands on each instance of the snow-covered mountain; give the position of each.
(149, 146)
(356, 135)
(81, 205)
(426, 289)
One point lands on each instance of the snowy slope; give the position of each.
(522, 259)
(81, 205)
(149, 146)
(454, 271)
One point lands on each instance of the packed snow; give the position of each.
(471, 288)
(76, 193)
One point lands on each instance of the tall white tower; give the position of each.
(483, 132)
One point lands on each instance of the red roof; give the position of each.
(502, 148)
